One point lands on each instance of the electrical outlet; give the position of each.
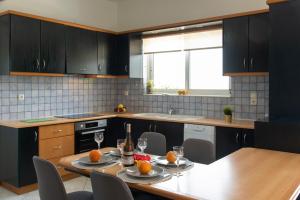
(21, 97)
(126, 92)
(253, 98)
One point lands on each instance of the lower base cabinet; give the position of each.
(17, 147)
(117, 130)
(229, 140)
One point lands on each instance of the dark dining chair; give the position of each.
(156, 143)
(200, 151)
(108, 187)
(50, 183)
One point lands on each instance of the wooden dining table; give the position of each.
(248, 173)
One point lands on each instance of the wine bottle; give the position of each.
(127, 158)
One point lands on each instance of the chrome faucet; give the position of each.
(171, 111)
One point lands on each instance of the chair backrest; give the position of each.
(106, 186)
(199, 151)
(156, 143)
(50, 184)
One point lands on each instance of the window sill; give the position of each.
(189, 95)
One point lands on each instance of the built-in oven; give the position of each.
(85, 133)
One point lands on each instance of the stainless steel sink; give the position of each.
(167, 116)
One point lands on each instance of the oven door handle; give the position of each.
(91, 132)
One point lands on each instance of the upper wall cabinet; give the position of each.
(106, 50)
(246, 44)
(29, 45)
(128, 58)
(25, 44)
(82, 49)
(53, 48)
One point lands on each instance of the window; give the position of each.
(191, 61)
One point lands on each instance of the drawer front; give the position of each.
(60, 169)
(56, 147)
(53, 131)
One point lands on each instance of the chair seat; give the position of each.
(81, 195)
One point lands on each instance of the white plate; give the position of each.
(134, 172)
(161, 160)
(104, 159)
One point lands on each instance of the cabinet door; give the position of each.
(53, 48)
(122, 65)
(25, 44)
(235, 45)
(172, 131)
(28, 147)
(227, 141)
(106, 45)
(81, 51)
(259, 34)
(247, 138)
(136, 56)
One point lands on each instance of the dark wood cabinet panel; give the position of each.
(22, 145)
(284, 61)
(106, 51)
(121, 66)
(136, 56)
(53, 48)
(259, 34)
(280, 136)
(172, 131)
(4, 44)
(81, 48)
(235, 45)
(25, 44)
(229, 140)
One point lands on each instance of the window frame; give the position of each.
(192, 92)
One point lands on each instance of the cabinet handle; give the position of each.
(44, 64)
(237, 138)
(38, 64)
(245, 137)
(35, 136)
(126, 68)
(83, 69)
(150, 127)
(100, 67)
(58, 131)
(251, 62)
(244, 63)
(155, 128)
(124, 125)
(57, 147)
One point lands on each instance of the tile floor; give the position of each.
(77, 184)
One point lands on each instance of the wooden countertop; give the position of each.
(245, 174)
(245, 124)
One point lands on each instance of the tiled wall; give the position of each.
(49, 96)
(211, 107)
(45, 96)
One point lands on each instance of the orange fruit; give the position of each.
(144, 167)
(95, 155)
(171, 157)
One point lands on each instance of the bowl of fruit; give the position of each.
(120, 108)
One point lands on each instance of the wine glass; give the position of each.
(120, 145)
(142, 144)
(99, 138)
(178, 150)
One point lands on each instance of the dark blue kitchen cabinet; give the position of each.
(53, 48)
(25, 44)
(30, 45)
(229, 140)
(246, 44)
(81, 51)
(106, 51)
(128, 59)
(17, 147)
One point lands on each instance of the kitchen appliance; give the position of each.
(78, 116)
(207, 133)
(85, 132)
